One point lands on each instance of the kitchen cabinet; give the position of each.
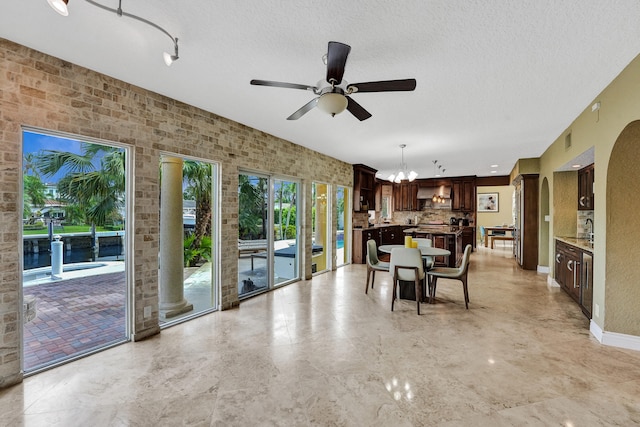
(449, 241)
(586, 200)
(469, 237)
(383, 235)
(574, 274)
(405, 196)
(568, 260)
(364, 188)
(464, 194)
(360, 238)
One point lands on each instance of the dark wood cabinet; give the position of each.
(364, 188)
(386, 235)
(574, 274)
(468, 237)
(360, 239)
(464, 194)
(405, 196)
(586, 200)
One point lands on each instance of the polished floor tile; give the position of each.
(321, 352)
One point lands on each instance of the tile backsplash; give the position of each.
(583, 228)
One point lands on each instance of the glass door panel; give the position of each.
(187, 229)
(286, 255)
(321, 249)
(343, 241)
(253, 241)
(74, 283)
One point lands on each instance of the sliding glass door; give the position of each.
(343, 240)
(75, 228)
(321, 249)
(268, 229)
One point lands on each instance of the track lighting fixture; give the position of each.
(60, 6)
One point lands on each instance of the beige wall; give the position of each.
(504, 216)
(44, 92)
(620, 105)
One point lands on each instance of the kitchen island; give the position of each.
(443, 237)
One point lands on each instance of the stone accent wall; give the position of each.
(40, 91)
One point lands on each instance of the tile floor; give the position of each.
(322, 352)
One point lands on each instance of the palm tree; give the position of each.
(34, 194)
(199, 181)
(98, 192)
(252, 198)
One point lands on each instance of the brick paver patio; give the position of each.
(73, 317)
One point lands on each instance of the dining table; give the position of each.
(488, 233)
(407, 291)
(424, 250)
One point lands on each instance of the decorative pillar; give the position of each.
(172, 302)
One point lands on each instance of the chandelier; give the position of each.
(404, 172)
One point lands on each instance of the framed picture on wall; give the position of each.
(487, 202)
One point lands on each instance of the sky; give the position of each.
(34, 142)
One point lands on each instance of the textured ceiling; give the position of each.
(497, 80)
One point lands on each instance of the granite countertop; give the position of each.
(453, 230)
(580, 243)
(377, 226)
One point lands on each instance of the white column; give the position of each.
(172, 302)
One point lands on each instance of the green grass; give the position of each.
(66, 229)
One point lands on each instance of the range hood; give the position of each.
(443, 191)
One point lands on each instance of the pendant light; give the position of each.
(404, 172)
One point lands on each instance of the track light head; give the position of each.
(59, 6)
(170, 59)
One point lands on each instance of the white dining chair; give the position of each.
(373, 263)
(406, 265)
(459, 273)
(429, 260)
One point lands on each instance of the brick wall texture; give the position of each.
(43, 92)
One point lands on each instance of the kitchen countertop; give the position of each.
(583, 244)
(438, 229)
(378, 226)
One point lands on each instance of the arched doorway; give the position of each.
(622, 275)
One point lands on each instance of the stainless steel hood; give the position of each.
(443, 191)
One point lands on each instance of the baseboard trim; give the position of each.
(544, 269)
(614, 339)
(552, 282)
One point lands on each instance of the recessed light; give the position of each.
(494, 166)
(494, 171)
(576, 166)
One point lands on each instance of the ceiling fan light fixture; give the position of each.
(59, 6)
(332, 103)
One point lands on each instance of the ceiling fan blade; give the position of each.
(304, 109)
(285, 85)
(336, 61)
(357, 110)
(384, 86)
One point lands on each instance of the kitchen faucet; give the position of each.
(589, 222)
